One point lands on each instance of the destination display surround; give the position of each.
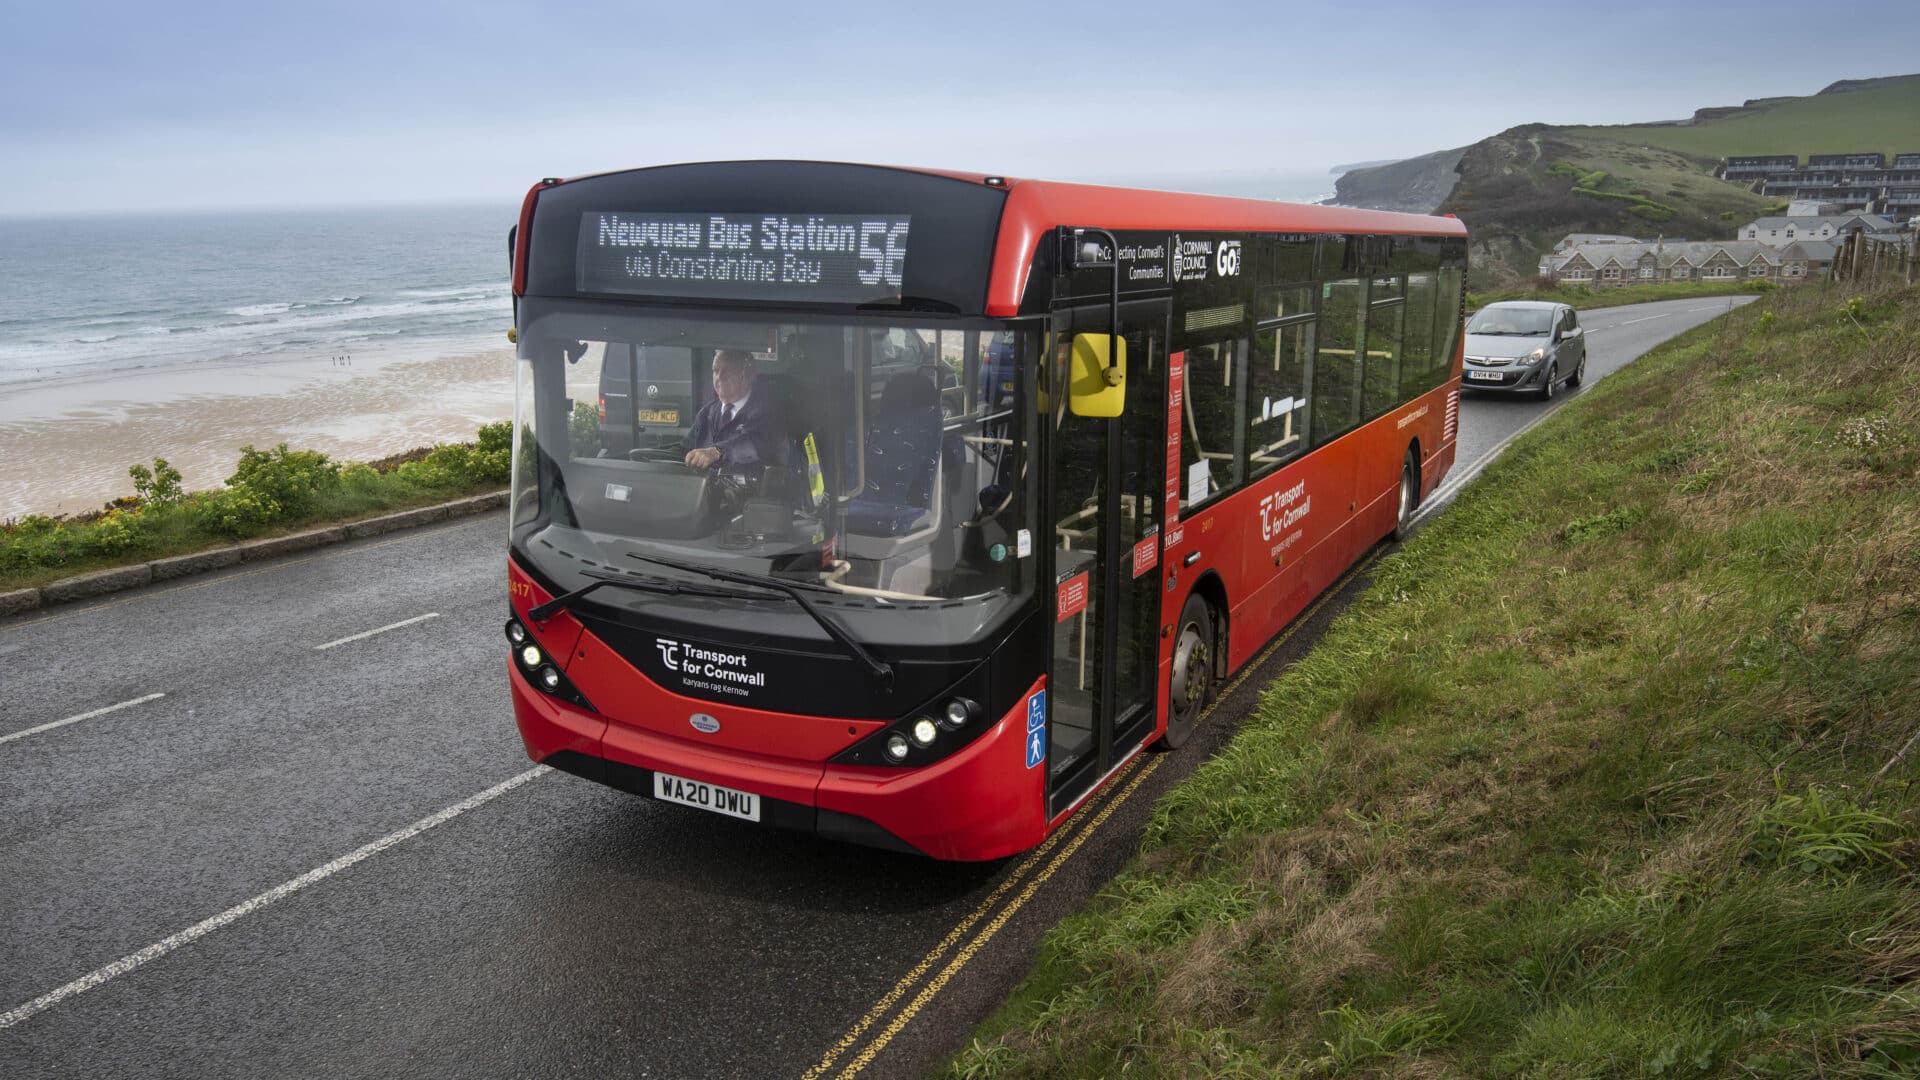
(825, 258)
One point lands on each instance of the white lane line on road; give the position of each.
(378, 630)
(279, 892)
(82, 716)
(1649, 318)
(1461, 479)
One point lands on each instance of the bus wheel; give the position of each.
(1409, 497)
(1192, 682)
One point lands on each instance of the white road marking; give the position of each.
(378, 630)
(279, 892)
(1649, 318)
(82, 716)
(1459, 480)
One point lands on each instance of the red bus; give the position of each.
(935, 497)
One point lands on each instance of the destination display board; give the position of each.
(802, 257)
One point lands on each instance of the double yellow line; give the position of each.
(1027, 881)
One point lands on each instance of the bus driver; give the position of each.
(739, 427)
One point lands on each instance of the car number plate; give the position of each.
(658, 416)
(1486, 376)
(744, 805)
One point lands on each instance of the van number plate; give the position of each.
(744, 805)
(658, 416)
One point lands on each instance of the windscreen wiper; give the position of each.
(653, 585)
(881, 671)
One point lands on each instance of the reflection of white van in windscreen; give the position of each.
(647, 397)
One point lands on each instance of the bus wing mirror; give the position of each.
(1098, 384)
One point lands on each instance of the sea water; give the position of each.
(92, 295)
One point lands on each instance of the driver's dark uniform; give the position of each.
(755, 435)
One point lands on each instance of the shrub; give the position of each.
(289, 480)
(585, 428)
(234, 512)
(453, 465)
(158, 486)
(117, 533)
(498, 436)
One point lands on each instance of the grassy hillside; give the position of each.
(1605, 775)
(1882, 114)
(1522, 190)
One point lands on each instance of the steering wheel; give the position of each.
(651, 453)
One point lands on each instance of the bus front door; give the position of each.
(1106, 479)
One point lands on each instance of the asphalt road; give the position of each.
(276, 844)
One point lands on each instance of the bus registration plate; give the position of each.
(744, 805)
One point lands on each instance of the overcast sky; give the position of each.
(195, 105)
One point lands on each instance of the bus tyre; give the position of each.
(1409, 497)
(1192, 682)
(1546, 387)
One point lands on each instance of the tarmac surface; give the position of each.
(276, 821)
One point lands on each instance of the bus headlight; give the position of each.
(924, 731)
(897, 746)
(550, 678)
(530, 656)
(959, 711)
(516, 633)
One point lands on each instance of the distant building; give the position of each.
(1647, 262)
(1781, 231)
(1859, 182)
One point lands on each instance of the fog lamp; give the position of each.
(897, 746)
(549, 678)
(924, 732)
(530, 656)
(516, 633)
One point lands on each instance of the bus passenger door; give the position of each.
(1106, 477)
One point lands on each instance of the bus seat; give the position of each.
(902, 461)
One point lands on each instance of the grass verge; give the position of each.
(1583, 298)
(1602, 776)
(272, 492)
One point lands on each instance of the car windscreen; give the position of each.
(1511, 320)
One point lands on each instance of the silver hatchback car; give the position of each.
(1524, 346)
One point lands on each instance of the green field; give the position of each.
(1883, 117)
(1602, 776)
(1584, 299)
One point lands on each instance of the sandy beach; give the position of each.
(67, 444)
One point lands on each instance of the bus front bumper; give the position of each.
(980, 803)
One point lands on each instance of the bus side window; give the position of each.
(1277, 375)
(1417, 371)
(1380, 370)
(1446, 324)
(1335, 391)
(1207, 453)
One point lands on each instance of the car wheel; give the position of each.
(1192, 682)
(1409, 497)
(1547, 387)
(1579, 374)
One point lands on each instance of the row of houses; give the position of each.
(1857, 181)
(1613, 261)
(1784, 249)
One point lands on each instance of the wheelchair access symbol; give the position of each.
(1036, 729)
